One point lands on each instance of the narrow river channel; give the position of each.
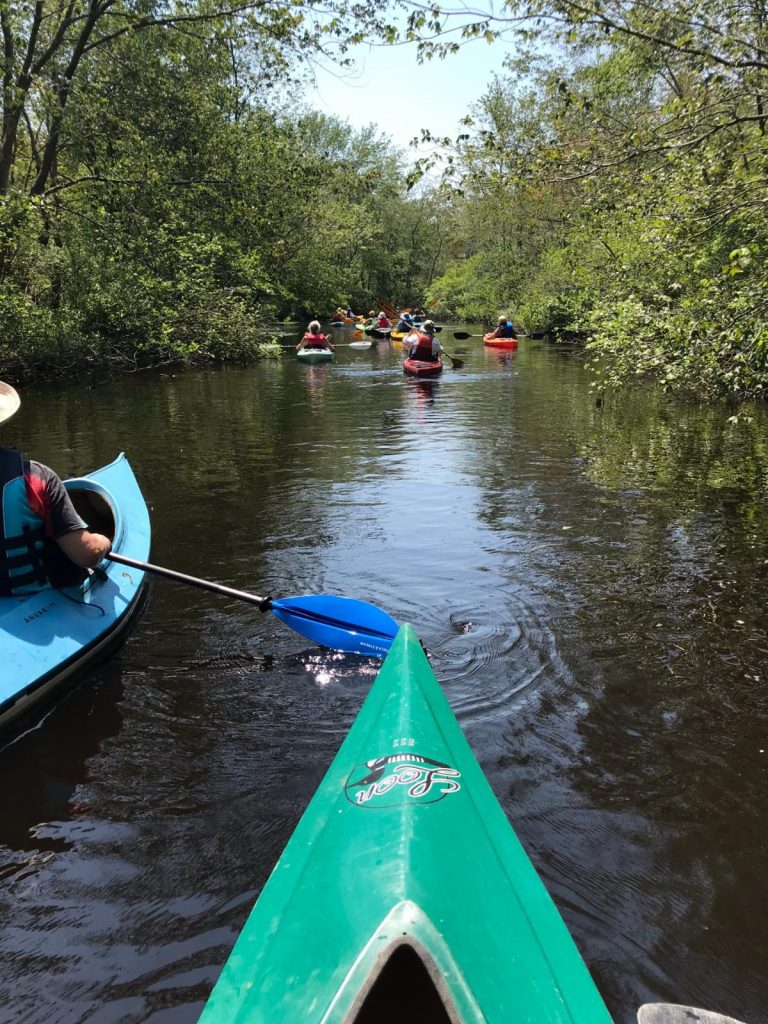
(590, 576)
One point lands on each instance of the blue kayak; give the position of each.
(47, 637)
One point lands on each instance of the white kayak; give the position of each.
(315, 355)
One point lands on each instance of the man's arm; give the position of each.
(62, 521)
(84, 548)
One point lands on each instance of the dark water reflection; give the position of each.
(590, 579)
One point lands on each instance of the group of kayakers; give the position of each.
(402, 321)
(420, 341)
(37, 515)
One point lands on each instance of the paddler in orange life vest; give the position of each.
(422, 344)
(43, 540)
(314, 338)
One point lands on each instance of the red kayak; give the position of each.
(499, 342)
(420, 368)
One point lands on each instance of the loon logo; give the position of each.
(400, 779)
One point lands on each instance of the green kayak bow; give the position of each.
(403, 894)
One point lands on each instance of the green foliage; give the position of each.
(156, 206)
(162, 209)
(628, 183)
(469, 290)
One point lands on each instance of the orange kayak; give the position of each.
(499, 342)
(421, 368)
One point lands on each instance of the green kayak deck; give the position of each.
(404, 895)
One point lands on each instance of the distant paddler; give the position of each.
(504, 329)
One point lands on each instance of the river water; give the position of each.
(589, 574)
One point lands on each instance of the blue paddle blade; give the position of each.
(340, 623)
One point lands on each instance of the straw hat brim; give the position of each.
(9, 401)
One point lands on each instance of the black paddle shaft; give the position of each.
(262, 603)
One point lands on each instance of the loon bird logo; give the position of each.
(400, 779)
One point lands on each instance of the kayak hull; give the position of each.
(404, 867)
(315, 355)
(507, 343)
(675, 1013)
(421, 368)
(48, 638)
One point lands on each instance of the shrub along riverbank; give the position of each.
(163, 196)
(613, 182)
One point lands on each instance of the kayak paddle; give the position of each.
(340, 623)
(461, 335)
(673, 1013)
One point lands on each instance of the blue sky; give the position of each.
(390, 89)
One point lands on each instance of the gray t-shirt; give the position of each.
(48, 498)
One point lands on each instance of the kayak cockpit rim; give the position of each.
(97, 507)
(405, 985)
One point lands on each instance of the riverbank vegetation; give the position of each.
(163, 196)
(617, 191)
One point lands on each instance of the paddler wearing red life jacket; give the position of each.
(43, 540)
(422, 344)
(314, 338)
